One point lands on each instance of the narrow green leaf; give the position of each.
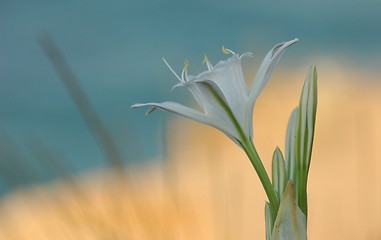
(305, 135)
(290, 223)
(269, 218)
(279, 177)
(290, 146)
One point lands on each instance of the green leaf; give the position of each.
(279, 177)
(305, 135)
(269, 218)
(290, 223)
(290, 146)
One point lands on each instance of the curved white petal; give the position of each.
(190, 113)
(261, 78)
(206, 99)
(211, 106)
(229, 79)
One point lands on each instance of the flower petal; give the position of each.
(228, 77)
(268, 64)
(261, 78)
(192, 114)
(205, 95)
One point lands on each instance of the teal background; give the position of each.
(115, 49)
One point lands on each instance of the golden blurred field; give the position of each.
(207, 188)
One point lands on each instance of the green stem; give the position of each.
(255, 160)
(248, 146)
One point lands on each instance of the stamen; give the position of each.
(170, 68)
(184, 74)
(207, 62)
(226, 51)
(186, 64)
(246, 54)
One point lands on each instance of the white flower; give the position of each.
(222, 93)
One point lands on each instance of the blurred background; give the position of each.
(76, 162)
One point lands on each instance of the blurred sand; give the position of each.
(207, 189)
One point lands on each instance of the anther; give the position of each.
(224, 50)
(186, 64)
(205, 58)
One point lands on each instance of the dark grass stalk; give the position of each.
(100, 133)
(13, 167)
(93, 121)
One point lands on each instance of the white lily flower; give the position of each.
(222, 93)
